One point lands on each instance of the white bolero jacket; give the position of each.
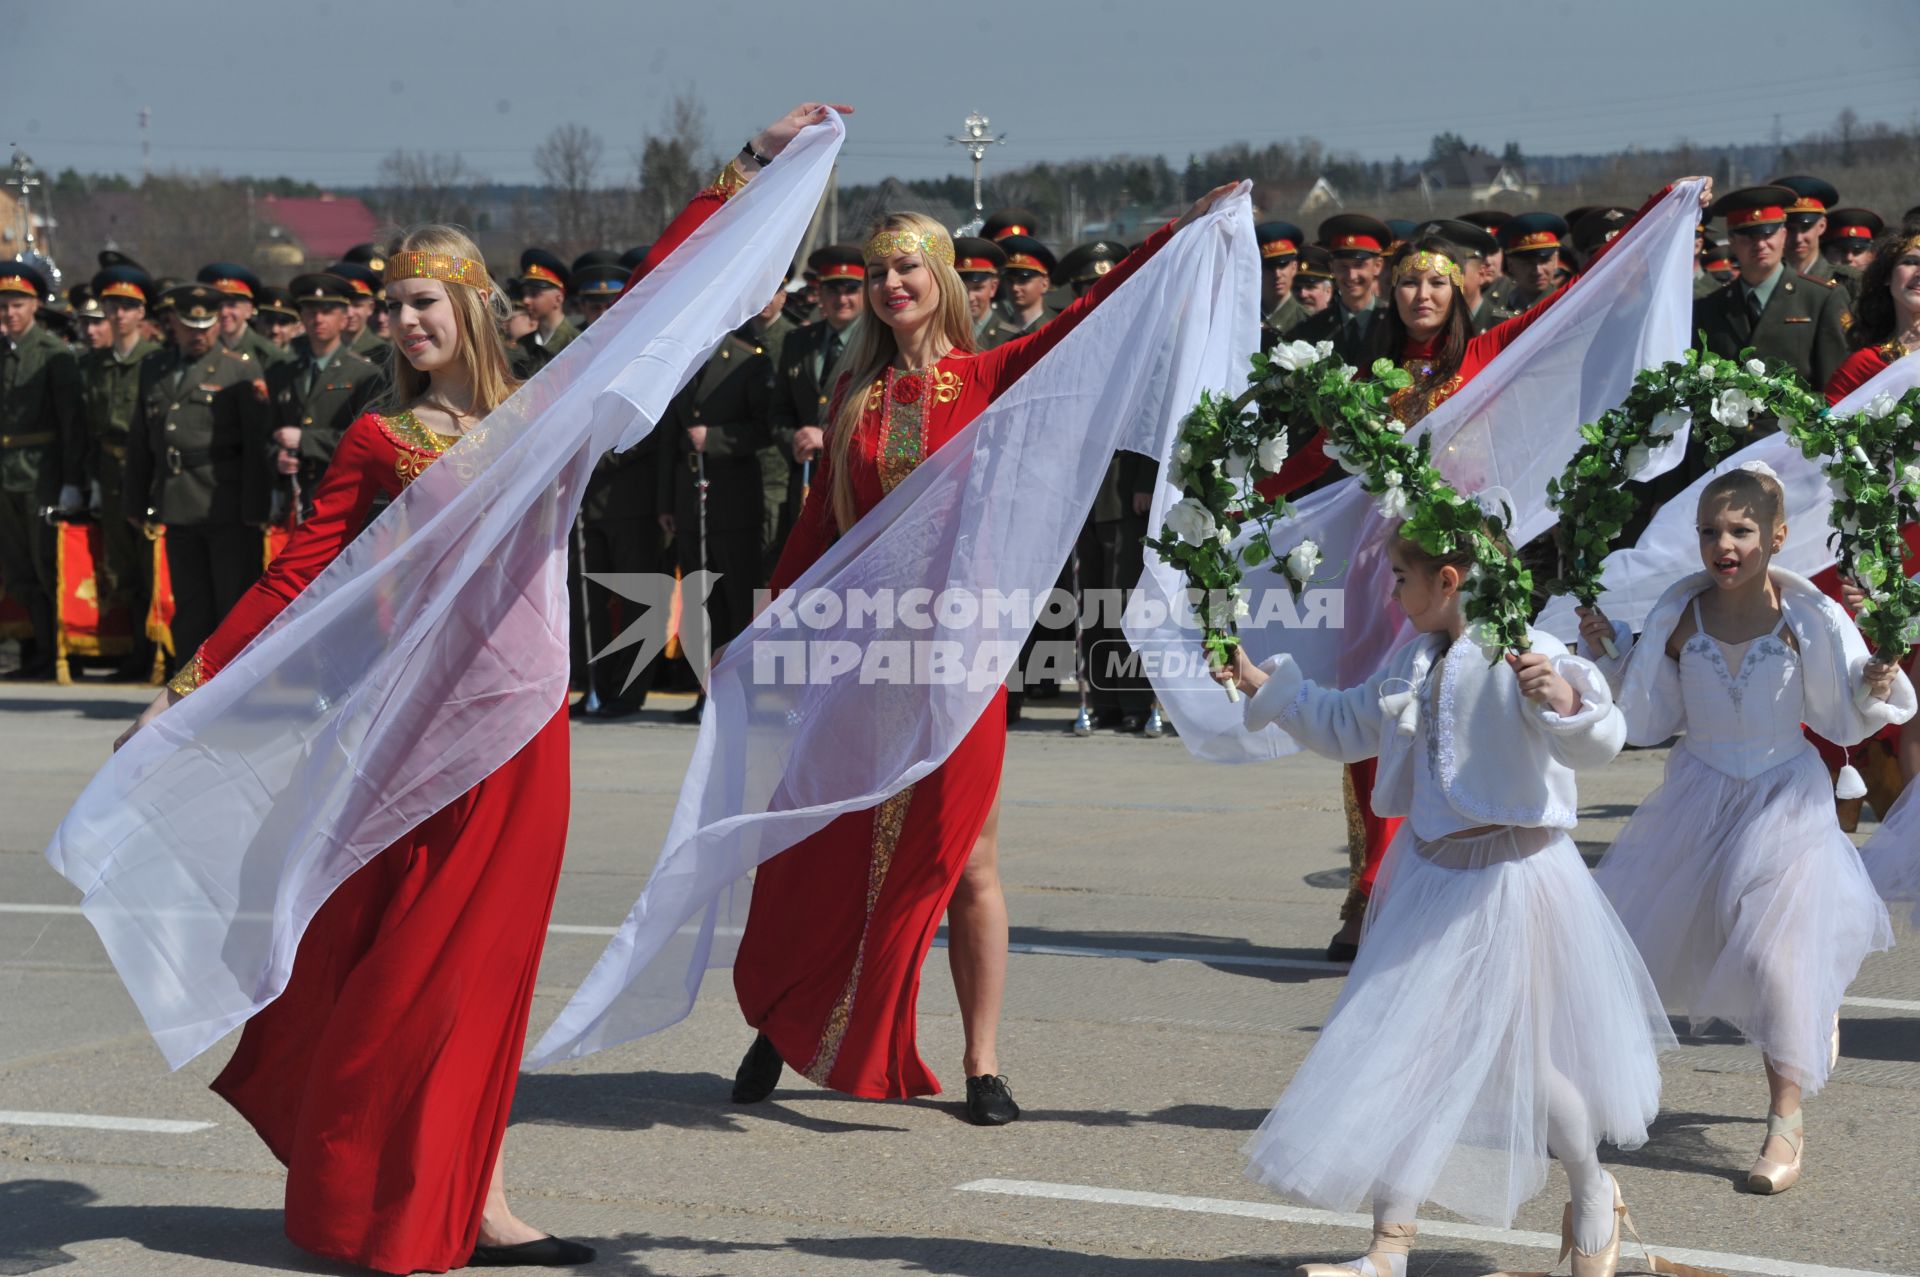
(1502, 759)
(1832, 657)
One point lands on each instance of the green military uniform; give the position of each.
(535, 354)
(782, 488)
(730, 396)
(265, 353)
(372, 347)
(1351, 333)
(1824, 271)
(1703, 284)
(1112, 558)
(1287, 315)
(1804, 324)
(320, 399)
(804, 360)
(200, 462)
(109, 410)
(39, 454)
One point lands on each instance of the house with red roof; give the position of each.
(304, 232)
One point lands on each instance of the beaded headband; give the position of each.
(887, 243)
(441, 266)
(1420, 263)
(1910, 246)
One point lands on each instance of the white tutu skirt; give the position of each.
(1892, 855)
(1749, 904)
(1488, 987)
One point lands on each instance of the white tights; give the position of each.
(1573, 1143)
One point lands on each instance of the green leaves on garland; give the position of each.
(1872, 463)
(1871, 459)
(1226, 447)
(1722, 399)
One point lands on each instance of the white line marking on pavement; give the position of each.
(1364, 1223)
(1064, 951)
(94, 1122)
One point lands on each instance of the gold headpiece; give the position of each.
(1910, 246)
(441, 266)
(887, 243)
(1420, 263)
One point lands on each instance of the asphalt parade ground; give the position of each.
(1168, 921)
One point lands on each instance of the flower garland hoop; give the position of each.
(1227, 447)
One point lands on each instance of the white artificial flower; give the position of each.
(1667, 423)
(1910, 474)
(1347, 372)
(1190, 520)
(1295, 355)
(1393, 500)
(1224, 535)
(1273, 453)
(1881, 405)
(1904, 421)
(1303, 560)
(1732, 407)
(1849, 525)
(1757, 367)
(1237, 464)
(1708, 372)
(1184, 453)
(1637, 458)
(1322, 349)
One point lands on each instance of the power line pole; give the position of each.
(976, 141)
(146, 144)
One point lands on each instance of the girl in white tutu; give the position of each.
(1747, 901)
(1497, 1012)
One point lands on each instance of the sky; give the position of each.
(320, 90)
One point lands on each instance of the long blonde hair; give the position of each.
(872, 347)
(479, 316)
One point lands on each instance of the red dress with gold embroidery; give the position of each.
(829, 967)
(382, 1076)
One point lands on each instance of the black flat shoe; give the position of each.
(1342, 951)
(759, 1072)
(548, 1252)
(990, 1102)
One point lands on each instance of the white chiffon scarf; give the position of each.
(416, 664)
(1636, 576)
(1505, 433)
(996, 509)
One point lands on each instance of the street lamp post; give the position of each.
(976, 140)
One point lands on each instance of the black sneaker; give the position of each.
(759, 1072)
(989, 1102)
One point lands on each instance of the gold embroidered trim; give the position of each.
(419, 446)
(191, 675)
(888, 819)
(1408, 405)
(732, 180)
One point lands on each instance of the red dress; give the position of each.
(1410, 405)
(840, 924)
(383, 1075)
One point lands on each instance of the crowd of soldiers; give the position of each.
(211, 408)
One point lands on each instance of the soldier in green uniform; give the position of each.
(1279, 262)
(1806, 226)
(596, 287)
(40, 454)
(1356, 243)
(109, 412)
(363, 336)
(1849, 237)
(803, 377)
(1703, 281)
(714, 430)
(1600, 227)
(979, 262)
(1500, 290)
(543, 284)
(276, 317)
(1024, 285)
(238, 287)
(1530, 247)
(1716, 261)
(90, 330)
(1783, 315)
(1312, 282)
(374, 258)
(200, 464)
(318, 392)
